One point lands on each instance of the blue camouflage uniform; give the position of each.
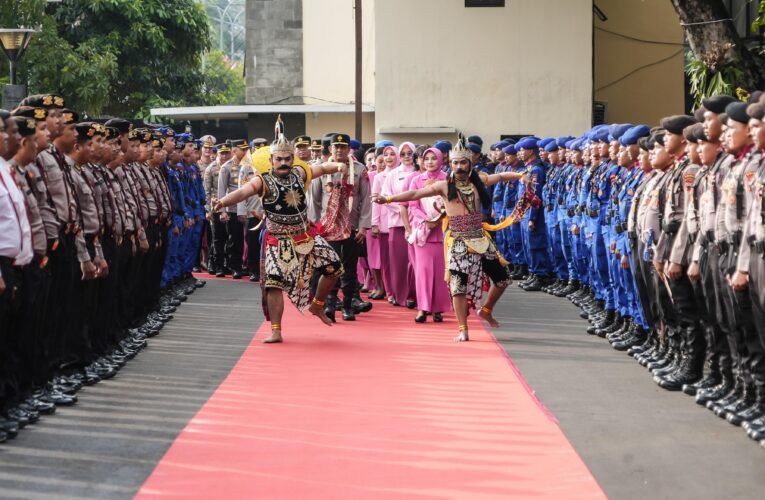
(578, 270)
(514, 235)
(535, 242)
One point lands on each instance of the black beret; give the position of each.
(26, 126)
(658, 138)
(30, 112)
(120, 124)
(68, 116)
(691, 133)
(676, 123)
(4, 114)
(43, 101)
(112, 132)
(756, 111)
(84, 131)
(302, 139)
(699, 113)
(326, 141)
(643, 142)
(736, 111)
(144, 135)
(716, 103)
(754, 97)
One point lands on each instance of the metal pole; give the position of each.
(13, 72)
(358, 70)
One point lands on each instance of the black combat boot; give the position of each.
(692, 366)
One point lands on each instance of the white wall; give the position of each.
(524, 68)
(329, 51)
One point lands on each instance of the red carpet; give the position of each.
(383, 408)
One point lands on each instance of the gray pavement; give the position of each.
(107, 444)
(639, 441)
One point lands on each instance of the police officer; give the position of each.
(228, 182)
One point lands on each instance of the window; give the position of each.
(484, 3)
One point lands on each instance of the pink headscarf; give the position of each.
(439, 156)
(411, 147)
(395, 152)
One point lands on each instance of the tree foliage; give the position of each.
(119, 57)
(721, 60)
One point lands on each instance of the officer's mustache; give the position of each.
(461, 170)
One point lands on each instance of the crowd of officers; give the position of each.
(100, 228)
(658, 234)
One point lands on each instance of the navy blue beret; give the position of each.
(632, 136)
(616, 130)
(527, 143)
(509, 150)
(551, 147)
(443, 146)
(475, 148)
(542, 143)
(354, 144)
(474, 139)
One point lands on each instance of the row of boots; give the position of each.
(679, 361)
(62, 389)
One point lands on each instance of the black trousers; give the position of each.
(9, 361)
(217, 250)
(107, 331)
(709, 306)
(30, 323)
(348, 250)
(253, 246)
(643, 281)
(234, 242)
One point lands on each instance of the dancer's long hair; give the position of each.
(483, 194)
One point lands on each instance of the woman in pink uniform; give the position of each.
(363, 269)
(428, 241)
(378, 256)
(401, 270)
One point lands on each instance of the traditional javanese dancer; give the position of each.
(470, 251)
(293, 245)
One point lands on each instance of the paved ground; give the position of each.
(638, 440)
(106, 445)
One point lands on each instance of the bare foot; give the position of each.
(275, 338)
(462, 337)
(486, 316)
(318, 311)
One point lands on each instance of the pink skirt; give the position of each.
(384, 267)
(401, 273)
(432, 290)
(374, 256)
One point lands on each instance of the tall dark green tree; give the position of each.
(117, 57)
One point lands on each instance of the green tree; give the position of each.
(721, 62)
(119, 57)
